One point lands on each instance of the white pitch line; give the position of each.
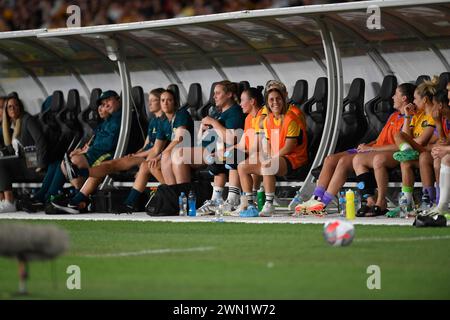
(146, 252)
(403, 239)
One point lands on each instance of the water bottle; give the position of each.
(297, 200)
(426, 202)
(219, 210)
(358, 201)
(191, 203)
(342, 204)
(403, 204)
(350, 205)
(182, 201)
(261, 198)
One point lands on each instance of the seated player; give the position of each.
(336, 167)
(286, 151)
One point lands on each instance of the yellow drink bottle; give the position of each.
(350, 204)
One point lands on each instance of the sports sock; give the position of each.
(318, 192)
(431, 193)
(444, 185)
(408, 191)
(217, 194)
(327, 198)
(250, 198)
(233, 194)
(132, 198)
(269, 197)
(78, 198)
(436, 186)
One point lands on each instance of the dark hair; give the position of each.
(157, 92)
(407, 90)
(174, 96)
(15, 97)
(254, 93)
(441, 97)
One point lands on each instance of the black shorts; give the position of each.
(229, 164)
(290, 169)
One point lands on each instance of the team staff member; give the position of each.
(26, 131)
(103, 145)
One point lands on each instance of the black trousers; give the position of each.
(15, 170)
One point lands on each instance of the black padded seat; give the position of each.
(314, 110)
(176, 90)
(421, 79)
(243, 85)
(204, 110)
(89, 117)
(379, 109)
(300, 93)
(444, 79)
(50, 126)
(139, 123)
(194, 100)
(354, 123)
(67, 118)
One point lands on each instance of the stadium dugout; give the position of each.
(340, 62)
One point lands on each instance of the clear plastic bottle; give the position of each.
(192, 203)
(342, 204)
(219, 210)
(295, 201)
(182, 201)
(403, 205)
(358, 200)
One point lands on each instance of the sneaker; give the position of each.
(406, 155)
(268, 210)
(124, 208)
(71, 174)
(250, 212)
(32, 205)
(72, 208)
(65, 206)
(430, 221)
(311, 206)
(276, 201)
(229, 207)
(295, 202)
(243, 206)
(434, 211)
(7, 207)
(208, 208)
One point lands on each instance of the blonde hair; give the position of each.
(428, 88)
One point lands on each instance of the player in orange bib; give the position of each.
(429, 167)
(441, 156)
(285, 151)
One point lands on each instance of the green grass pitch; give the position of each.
(241, 261)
